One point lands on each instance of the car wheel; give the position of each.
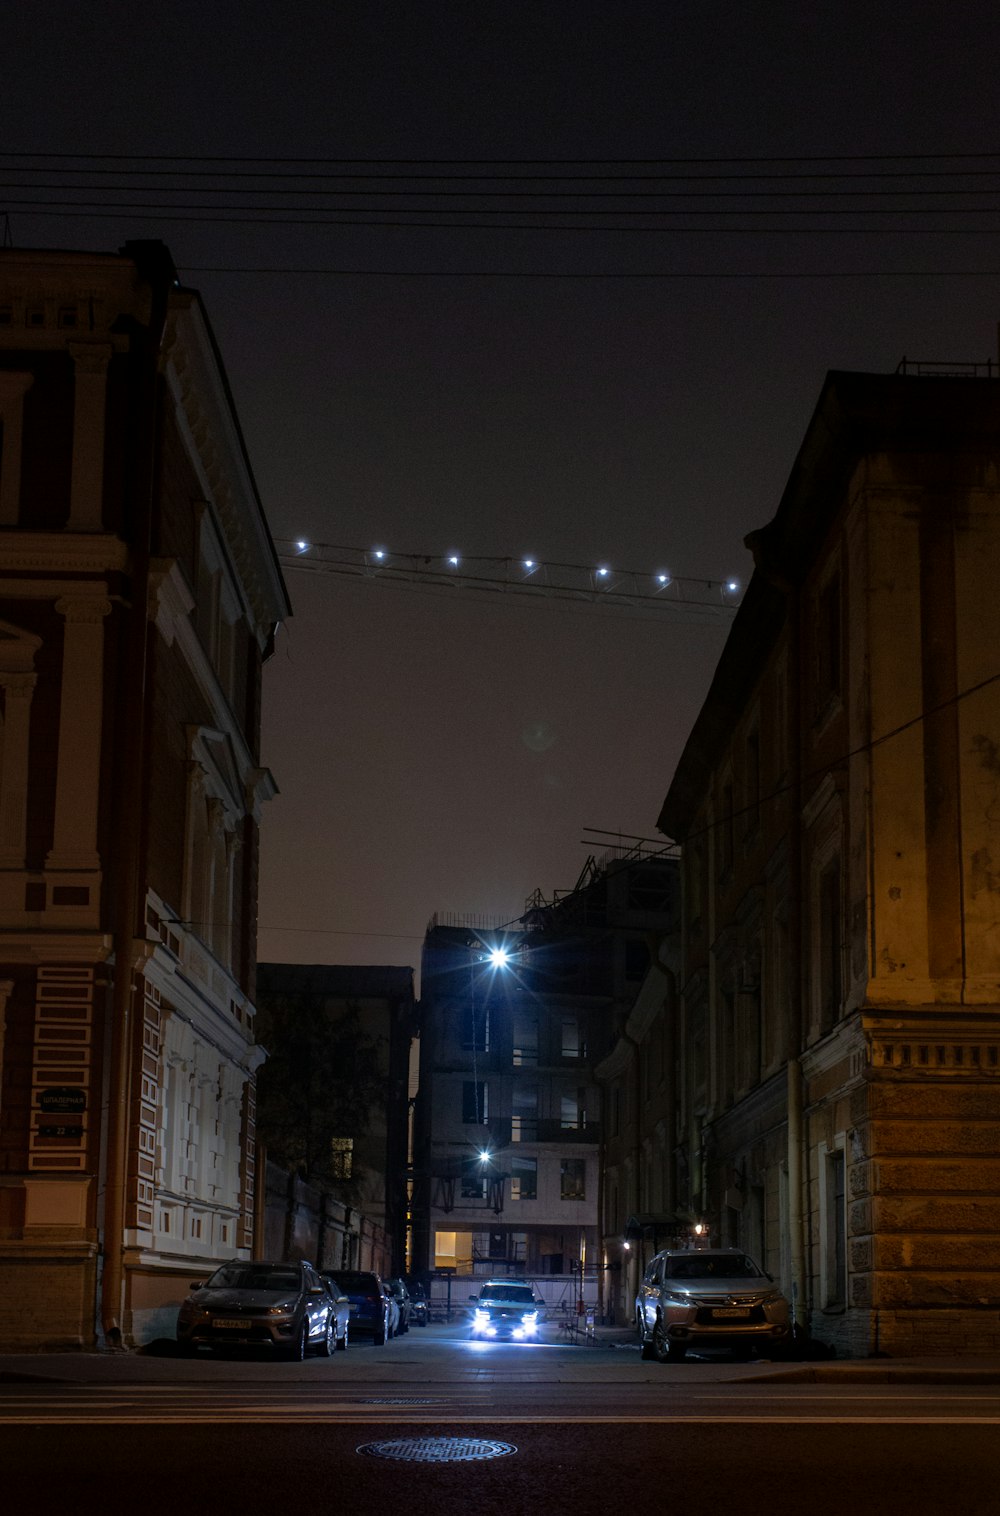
(298, 1349)
(328, 1344)
(645, 1342)
(378, 1337)
(342, 1341)
(663, 1349)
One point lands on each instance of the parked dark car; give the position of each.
(372, 1309)
(419, 1306)
(401, 1295)
(283, 1307)
(713, 1297)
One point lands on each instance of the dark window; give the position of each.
(474, 1101)
(573, 1179)
(836, 1230)
(474, 1180)
(828, 644)
(831, 972)
(476, 1028)
(753, 782)
(524, 1179)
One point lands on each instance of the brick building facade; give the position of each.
(139, 595)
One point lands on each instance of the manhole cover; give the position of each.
(394, 1400)
(437, 1449)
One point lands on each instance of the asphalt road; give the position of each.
(571, 1430)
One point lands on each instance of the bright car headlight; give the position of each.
(482, 1317)
(530, 1318)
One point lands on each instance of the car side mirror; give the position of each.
(317, 1289)
(343, 1299)
(473, 1297)
(196, 1286)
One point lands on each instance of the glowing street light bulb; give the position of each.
(484, 1156)
(453, 560)
(663, 578)
(529, 563)
(732, 586)
(499, 957)
(302, 547)
(379, 553)
(602, 573)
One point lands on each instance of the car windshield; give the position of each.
(712, 1266)
(363, 1284)
(248, 1276)
(512, 1294)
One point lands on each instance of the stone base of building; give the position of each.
(47, 1294)
(915, 1332)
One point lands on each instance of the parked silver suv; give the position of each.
(708, 1297)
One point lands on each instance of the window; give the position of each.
(835, 1231)
(570, 1045)
(341, 1157)
(727, 827)
(476, 1028)
(573, 1179)
(474, 1180)
(524, 1117)
(752, 776)
(831, 972)
(525, 1040)
(572, 1112)
(475, 1101)
(524, 1179)
(829, 656)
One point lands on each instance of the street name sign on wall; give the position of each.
(62, 1100)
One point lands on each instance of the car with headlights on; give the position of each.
(285, 1308)
(709, 1297)
(373, 1311)
(505, 1309)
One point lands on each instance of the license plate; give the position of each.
(740, 1312)
(231, 1323)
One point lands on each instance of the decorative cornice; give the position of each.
(62, 553)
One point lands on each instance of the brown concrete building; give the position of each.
(139, 594)
(839, 806)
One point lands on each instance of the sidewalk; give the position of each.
(984, 1369)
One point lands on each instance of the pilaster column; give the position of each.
(87, 484)
(81, 713)
(18, 690)
(13, 388)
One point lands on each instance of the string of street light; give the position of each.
(527, 576)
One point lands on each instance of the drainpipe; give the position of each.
(154, 266)
(795, 1218)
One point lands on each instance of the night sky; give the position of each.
(440, 751)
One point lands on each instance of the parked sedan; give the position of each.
(710, 1297)
(401, 1295)
(342, 1306)
(283, 1307)
(419, 1306)
(373, 1311)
